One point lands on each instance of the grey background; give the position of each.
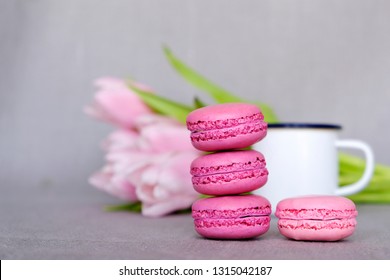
(317, 61)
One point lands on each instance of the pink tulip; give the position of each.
(112, 180)
(164, 186)
(161, 134)
(116, 103)
(150, 164)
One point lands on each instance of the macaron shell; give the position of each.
(330, 202)
(319, 207)
(220, 113)
(226, 126)
(231, 217)
(316, 218)
(228, 173)
(313, 230)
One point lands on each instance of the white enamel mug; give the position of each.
(302, 159)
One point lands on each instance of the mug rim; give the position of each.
(304, 125)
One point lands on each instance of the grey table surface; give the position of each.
(67, 225)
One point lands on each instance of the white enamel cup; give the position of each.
(302, 159)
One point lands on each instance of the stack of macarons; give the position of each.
(228, 171)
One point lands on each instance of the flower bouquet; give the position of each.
(149, 153)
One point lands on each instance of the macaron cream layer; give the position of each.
(203, 125)
(229, 177)
(201, 169)
(317, 224)
(315, 214)
(225, 133)
(247, 221)
(233, 169)
(230, 214)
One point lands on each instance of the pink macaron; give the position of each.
(230, 172)
(226, 126)
(232, 217)
(316, 218)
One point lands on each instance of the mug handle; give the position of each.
(368, 171)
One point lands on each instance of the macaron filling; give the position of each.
(254, 163)
(247, 221)
(225, 133)
(228, 177)
(251, 216)
(316, 219)
(228, 214)
(225, 123)
(317, 224)
(316, 214)
(229, 173)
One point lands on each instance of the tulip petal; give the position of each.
(166, 207)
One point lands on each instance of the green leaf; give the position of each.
(163, 105)
(182, 211)
(198, 103)
(219, 94)
(130, 207)
(377, 198)
(377, 191)
(269, 114)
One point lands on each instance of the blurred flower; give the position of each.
(116, 103)
(165, 184)
(149, 163)
(112, 178)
